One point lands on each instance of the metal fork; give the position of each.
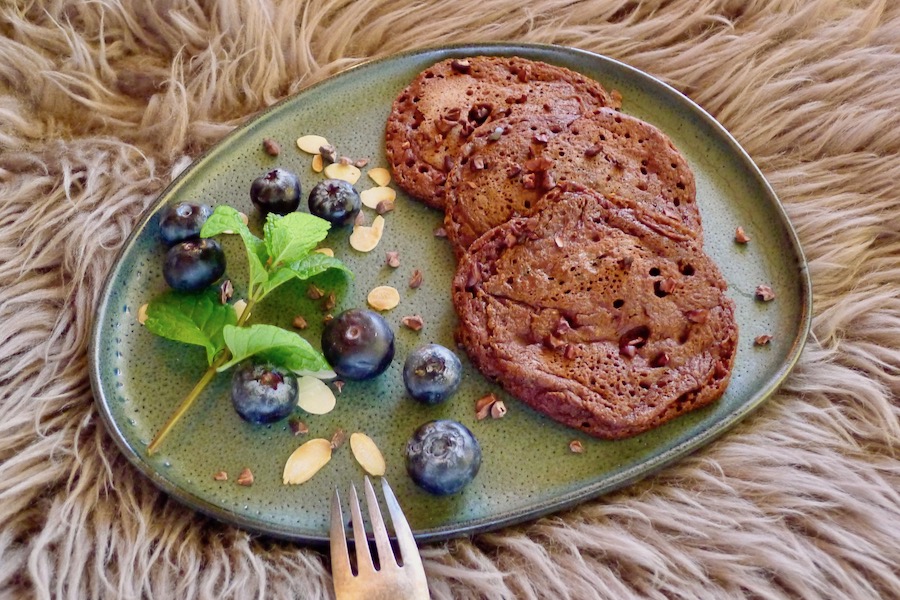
(391, 580)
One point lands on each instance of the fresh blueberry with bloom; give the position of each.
(442, 457)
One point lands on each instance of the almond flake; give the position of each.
(380, 175)
(346, 172)
(306, 461)
(221, 476)
(576, 447)
(311, 143)
(384, 297)
(367, 454)
(373, 196)
(314, 396)
(325, 251)
(239, 307)
(318, 164)
(365, 238)
(142, 314)
(740, 236)
(762, 340)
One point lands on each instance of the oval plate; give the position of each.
(528, 469)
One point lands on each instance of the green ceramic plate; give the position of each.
(528, 469)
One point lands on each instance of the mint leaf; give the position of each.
(226, 219)
(303, 269)
(196, 319)
(316, 263)
(291, 237)
(268, 342)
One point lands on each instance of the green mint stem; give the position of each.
(192, 396)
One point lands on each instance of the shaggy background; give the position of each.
(102, 102)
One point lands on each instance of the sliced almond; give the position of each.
(318, 163)
(244, 218)
(366, 237)
(367, 454)
(306, 461)
(347, 172)
(314, 396)
(325, 251)
(384, 297)
(372, 196)
(142, 314)
(311, 143)
(239, 307)
(380, 175)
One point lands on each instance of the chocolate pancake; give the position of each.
(432, 118)
(499, 177)
(593, 318)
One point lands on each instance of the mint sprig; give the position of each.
(284, 253)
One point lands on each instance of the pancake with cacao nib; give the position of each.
(593, 318)
(432, 118)
(501, 176)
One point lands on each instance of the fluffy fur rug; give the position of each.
(101, 102)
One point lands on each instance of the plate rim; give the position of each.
(566, 501)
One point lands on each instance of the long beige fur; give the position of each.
(102, 102)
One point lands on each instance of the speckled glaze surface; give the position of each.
(528, 469)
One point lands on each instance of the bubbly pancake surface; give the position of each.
(433, 117)
(595, 319)
(502, 176)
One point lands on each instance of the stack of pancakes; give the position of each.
(582, 286)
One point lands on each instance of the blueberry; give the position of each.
(432, 373)
(278, 191)
(442, 457)
(262, 393)
(358, 344)
(191, 266)
(182, 222)
(335, 200)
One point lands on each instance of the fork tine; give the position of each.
(385, 552)
(408, 550)
(340, 556)
(363, 556)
